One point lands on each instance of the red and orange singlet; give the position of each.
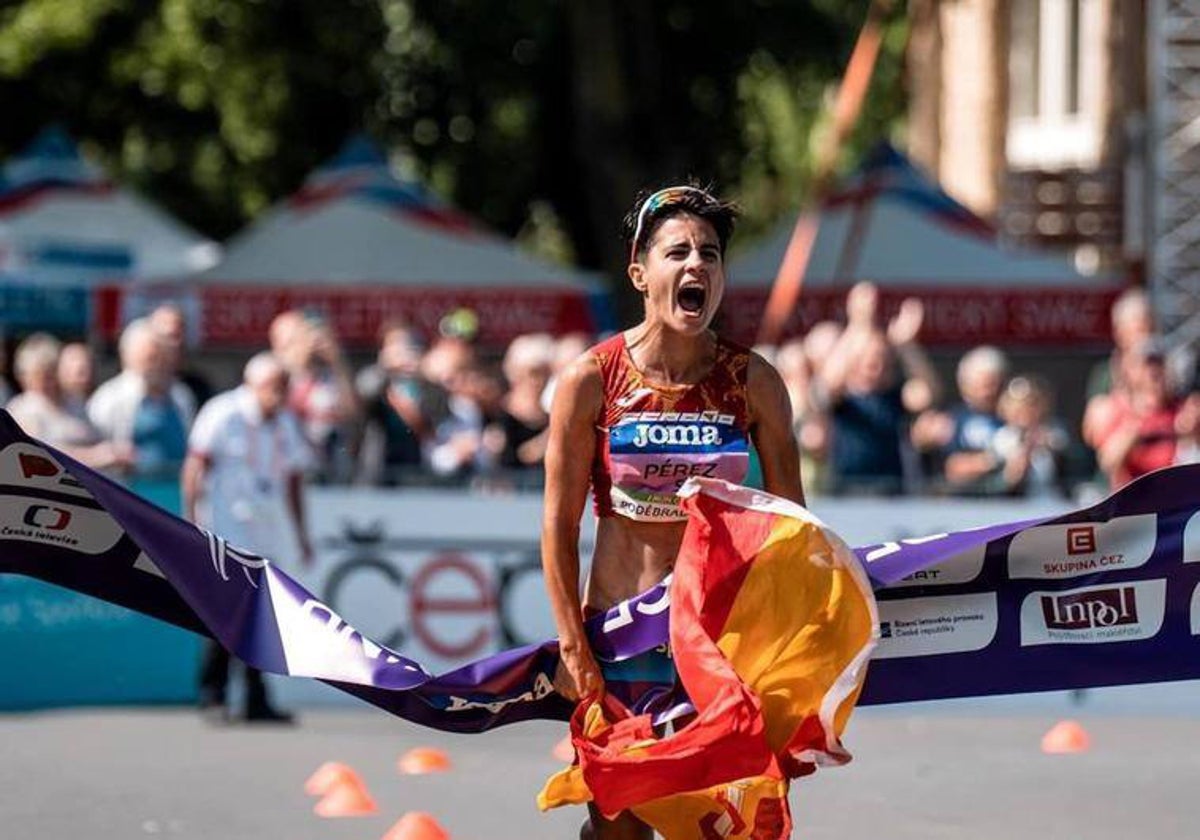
(652, 437)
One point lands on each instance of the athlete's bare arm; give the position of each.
(578, 399)
(771, 430)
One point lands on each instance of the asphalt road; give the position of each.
(961, 770)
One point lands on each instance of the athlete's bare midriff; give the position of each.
(629, 557)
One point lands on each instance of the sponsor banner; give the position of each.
(454, 581)
(31, 467)
(1094, 614)
(89, 531)
(1191, 539)
(233, 315)
(401, 568)
(953, 317)
(1059, 552)
(116, 655)
(962, 568)
(29, 305)
(927, 626)
(1195, 611)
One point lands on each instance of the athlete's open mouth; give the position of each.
(691, 299)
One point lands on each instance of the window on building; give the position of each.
(1055, 78)
(1023, 63)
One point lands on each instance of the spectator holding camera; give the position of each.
(322, 391)
(400, 408)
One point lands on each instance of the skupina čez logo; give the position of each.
(1079, 549)
(1081, 539)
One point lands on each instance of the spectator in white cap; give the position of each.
(243, 480)
(960, 440)
(528, 364)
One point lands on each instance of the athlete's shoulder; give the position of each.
(760, 372)
(608, 352)
(580, 385)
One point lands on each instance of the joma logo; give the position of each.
(647, 434)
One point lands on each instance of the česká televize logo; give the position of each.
(1094, 614)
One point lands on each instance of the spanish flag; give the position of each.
(772, 623)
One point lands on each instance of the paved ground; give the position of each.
(967, 770)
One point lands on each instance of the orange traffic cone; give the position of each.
(329, 774)
(1066, 736)
(416, 825)
(421, 760)
(564, 750)
(347, 798)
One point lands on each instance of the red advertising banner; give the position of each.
(953, 317)
(239, 316)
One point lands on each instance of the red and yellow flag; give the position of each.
(772, 624)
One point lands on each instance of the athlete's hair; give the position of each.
(653, 207)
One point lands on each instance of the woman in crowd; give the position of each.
(1137, 428)
(41, 411)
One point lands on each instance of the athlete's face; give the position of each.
(681, 275)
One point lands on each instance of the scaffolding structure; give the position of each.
(1173, 146)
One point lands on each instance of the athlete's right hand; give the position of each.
(578, 675)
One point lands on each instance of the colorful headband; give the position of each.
(656, 201)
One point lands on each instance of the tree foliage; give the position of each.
(539, 116)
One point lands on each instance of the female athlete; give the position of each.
(638, 414)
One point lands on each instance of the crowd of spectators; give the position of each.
(871, 414)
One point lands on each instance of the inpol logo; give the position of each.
(658, 434)
(1086, 610)
(1094, 614)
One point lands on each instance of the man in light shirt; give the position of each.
(145, 406)
(242, 480)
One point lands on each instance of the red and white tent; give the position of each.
(892, 225)
(361, 247)
(65, 226)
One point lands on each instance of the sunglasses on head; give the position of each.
(655, 202)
